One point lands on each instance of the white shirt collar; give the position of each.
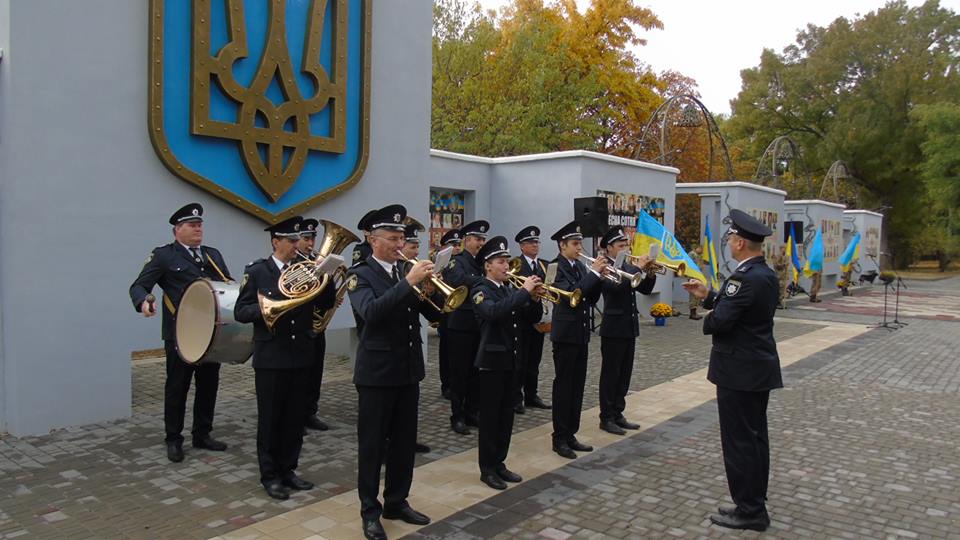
(495, 282)
(188, 248)
(386, 266)
(745, 261)
(531, 262)
(277, 262)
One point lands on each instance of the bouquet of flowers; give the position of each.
(661, 310)
(841, 283)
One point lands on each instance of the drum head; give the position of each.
(196, 321)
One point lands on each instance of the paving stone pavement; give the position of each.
(112, 479)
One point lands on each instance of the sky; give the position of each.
(712, 40)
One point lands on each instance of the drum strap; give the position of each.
(169, 303)
(217, 268)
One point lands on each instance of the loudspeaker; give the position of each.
(593, 215)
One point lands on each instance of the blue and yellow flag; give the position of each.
(710, 257)
(792, 254)
(650, 232)
(851, 254)
(815, 259)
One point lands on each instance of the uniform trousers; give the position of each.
(315, 374)
(531, 351)
(281, 397)
(746, 446)
(496, 417)
(570, 365)
(179, 375)
(444, 355)
(615, 370)
(386, 413)
(462, 350)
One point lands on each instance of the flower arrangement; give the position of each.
(841, 283)
(661, 310)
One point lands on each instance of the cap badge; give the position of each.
(503, 246)
(483, 229)
(196, 212)
(396, 217)
(296, 226)
(578, 228)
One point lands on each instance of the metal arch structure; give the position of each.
(839, 173)
(679, 116)
(777, 159)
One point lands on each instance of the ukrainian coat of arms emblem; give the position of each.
(263, 103)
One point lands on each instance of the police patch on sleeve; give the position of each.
(356, 256)
(149, 258)
(352, 282)
(452, 264)
(732, 287)
(478, 298)
(246, 277)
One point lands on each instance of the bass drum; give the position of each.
(206, 331)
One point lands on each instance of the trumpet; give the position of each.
(546, 292)
(617, 275)
(661, 268)
(452, 297)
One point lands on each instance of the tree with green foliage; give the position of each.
(940, 168)
(846, 91)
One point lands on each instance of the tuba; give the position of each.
(300, 282)
(335, 239)
(452, 297)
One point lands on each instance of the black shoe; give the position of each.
(519, 408)
(611, 427)
(727, 510)
(537, 403)
(276, 490)
(175, 451)
(295, 482)
(564, 451)
(574, 444)
(373, 530)
(493, 480)
(408, 515)
(459, 427)
(509, 476)
(472, 420)
(760, 522)
(209, 443)
(622, 422)
(315, 423)
(421, 448)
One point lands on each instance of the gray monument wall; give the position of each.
(84, 198)
(869, 225)
(812, 213)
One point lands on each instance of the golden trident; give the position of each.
(294, 113)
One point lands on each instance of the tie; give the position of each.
(395, 274)
(285, 266)
(576, 270)
(196, 255)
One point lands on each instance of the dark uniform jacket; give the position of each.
(620, 316)
(463, 270)
(290, 344)
(572, 325)
(173, 268)
(532, 316)
(500, 312)
(390, 352)
(744, 354)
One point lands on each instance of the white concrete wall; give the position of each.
(811, 213)
(863, 221)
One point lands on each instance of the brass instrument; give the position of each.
(547, 292)
(661, 268)
(617, 275)
(452, 297)
(300, 282)
(335, 239)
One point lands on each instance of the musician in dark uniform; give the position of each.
(283, 359)
(462, 329)
(174, 267)
(619, 329)
(411, 250)
(362, 250)
(452, 239)
(499, 308)
(388, 371)
(744, 366)
(571, 336)
(531, 339)
(305, 247)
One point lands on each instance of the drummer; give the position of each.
(174, 267)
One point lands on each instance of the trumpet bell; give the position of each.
(456, 297)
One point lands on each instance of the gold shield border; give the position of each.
(159, 141)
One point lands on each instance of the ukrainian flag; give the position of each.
(710, 257)
(851, 254)
(815, 259)
(792, 254)
(650, 232)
